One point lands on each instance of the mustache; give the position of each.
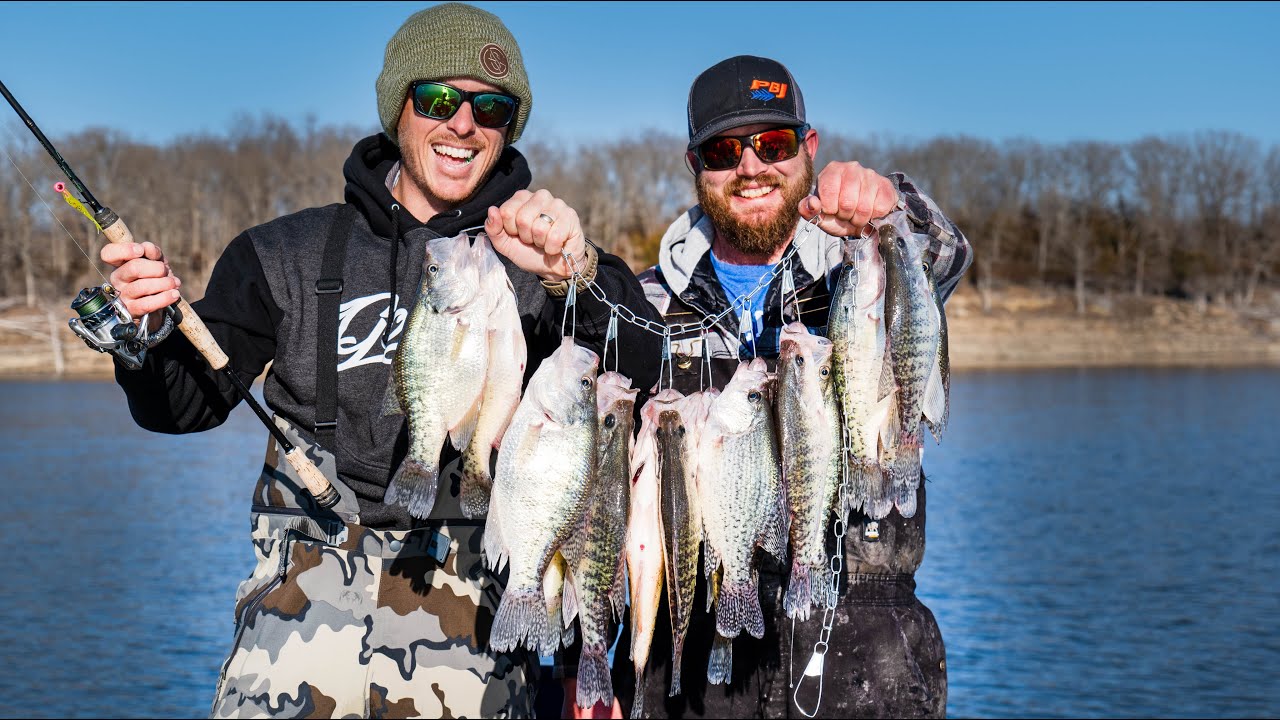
(738, 184)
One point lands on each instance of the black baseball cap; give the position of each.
(742, 90)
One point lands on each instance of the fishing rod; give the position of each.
(106, 326)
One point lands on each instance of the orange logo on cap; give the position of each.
(777, 90)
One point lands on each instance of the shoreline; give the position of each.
(1023, 329)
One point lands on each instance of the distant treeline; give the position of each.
(1193, 216)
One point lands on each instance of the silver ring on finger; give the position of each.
(550, 220)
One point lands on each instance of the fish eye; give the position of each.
(800, 360)
(926, 267)
(754, 396)
(610, 420)
(902, 243)
(433, 268)
(586, 382)
(680, 431)
(824, 371)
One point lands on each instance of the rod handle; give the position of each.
(326, 496)
(190, 323)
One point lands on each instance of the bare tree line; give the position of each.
(1194, 216)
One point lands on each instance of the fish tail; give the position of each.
(738, 609)
(906, 475)
(637, 703)
(677, 655)
(474, 488)
(720, 666)
(879, 488)
(414, 486)
(799, 591)
(521, 620)
(594, 683)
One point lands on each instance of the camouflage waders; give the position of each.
(342, 620)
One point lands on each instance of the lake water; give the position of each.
(1100, 543)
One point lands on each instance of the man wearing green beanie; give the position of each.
(381, 605)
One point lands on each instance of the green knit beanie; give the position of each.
(452, 40)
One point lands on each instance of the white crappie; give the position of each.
(741, 495)
(439, 369)
(503, 377)
(913, 323)
(863, 372)
(597, 571)
(809, 429)
(546, 462)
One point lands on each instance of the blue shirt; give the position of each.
(738, 280)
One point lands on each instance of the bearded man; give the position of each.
(751, 151)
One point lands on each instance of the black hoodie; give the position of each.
(260, 305)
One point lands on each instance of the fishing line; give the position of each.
(40, 197)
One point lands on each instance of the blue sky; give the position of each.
(1049, 71)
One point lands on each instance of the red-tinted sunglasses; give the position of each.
(724, 152)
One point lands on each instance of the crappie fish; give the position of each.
(912, 320)
(809, 426)
(597, 570)
(937, 401)
(680, 423)
(503, 378)
(439, 369)
(863, 372)
(741, 495)
(646, 561)
(545, 466)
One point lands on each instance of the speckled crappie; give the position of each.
(439, 368)
(504, 374)
(741, 495)
(680, 424)
(809, 429)
(863, 372)
(597, 572)
(546, 462)
(913, 323)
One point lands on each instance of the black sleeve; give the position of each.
(638, 350)
(176, 391)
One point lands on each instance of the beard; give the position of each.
(756, 236)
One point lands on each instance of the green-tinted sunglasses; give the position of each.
(438, 101)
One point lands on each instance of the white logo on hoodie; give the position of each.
(353, 352)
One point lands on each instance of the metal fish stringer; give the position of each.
(705, 366)
(789, 286)
(746, 327)
(666, 360)
(611, 337)
(571, 306)
(817, 661)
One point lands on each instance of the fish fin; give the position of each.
(637, 704)
(799, 591)
(905, 497)
(391, 404)
(720, 666)
(594, 683)
(414, 486)
(567, 635)
(554, 637)
(935, 402)
(460, 434)
(618, 591)
(521, 620)
(714, 578)
(569, 600)
(888, 383)
(475, 486)
(773, 537)
(738, 609)
(493, 546)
